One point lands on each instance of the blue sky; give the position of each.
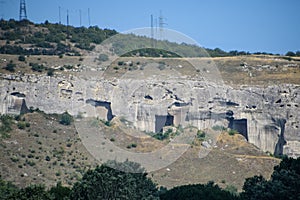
(249, 25)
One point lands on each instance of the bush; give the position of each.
(200, 135)
(10, 67)
(218, 128)
(232, 132)
(36, 67)
(66, 119)
(290, 53)
(21, 125)
(50, 72)
(22, 58)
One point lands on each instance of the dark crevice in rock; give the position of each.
(281, 140)
(18, 94)
(105, 104)
(162, 121)
(148, 97)
(240, 125)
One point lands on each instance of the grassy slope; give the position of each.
(228, 164)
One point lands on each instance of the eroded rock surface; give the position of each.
(267, 116)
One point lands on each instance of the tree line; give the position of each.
(51, 39)
(114, 180)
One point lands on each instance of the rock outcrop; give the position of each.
(267, 116)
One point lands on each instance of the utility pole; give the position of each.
(67, 23)
(1, 5)
(161, 25)
(152, 32)
(23, 14)
(59, 15)
(89, 17)
(80, 17)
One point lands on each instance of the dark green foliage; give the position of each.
(37, 67)
(60, 192)
(284, 183)
(163, 136)
(200, 135)
(66, 119)
(21, 58)
(151, 52)
(10, 67)
(218, 128)
(57, 33)
(21, 125)
(7, 190)
(33, 192)
(290, 53)
(209, 191)
(232, 132)
(5, 125)
(109, 183)
(50, 72)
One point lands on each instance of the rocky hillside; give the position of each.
(186, 120)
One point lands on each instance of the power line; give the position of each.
(59, 14)
(2, 6)
(152, 32)
(161, 24)
(89, 17)
(23, 14)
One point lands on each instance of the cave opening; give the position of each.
(104, 104)
(240, 125)
(162, 121)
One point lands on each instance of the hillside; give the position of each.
(47, 152)
(140, 100)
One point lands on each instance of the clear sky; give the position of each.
(249, 25)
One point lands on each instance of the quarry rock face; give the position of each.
(268, 117)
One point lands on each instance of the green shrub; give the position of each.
(10, 67)
(21, 125)
(232, 132)
(200, 135)
(36, 67)
(218, 128)
(22, 58)
(5, 126)
(50, 72)
(66, 119)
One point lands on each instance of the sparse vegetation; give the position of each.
(103, 57)
(218, 128)
(5, 126)
(232, 132)
(22, 58)
(10, 66)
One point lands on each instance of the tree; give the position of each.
(7, 189)
(254, 187)
(60, 192)
(290, 53)
(105, 182)
(209, 191)
(66, 119)
(284, 183)
(33, 192)
(10, 67)
(21, 58)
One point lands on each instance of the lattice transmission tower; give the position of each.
(23, 14)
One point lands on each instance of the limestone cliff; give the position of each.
(267, 116)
